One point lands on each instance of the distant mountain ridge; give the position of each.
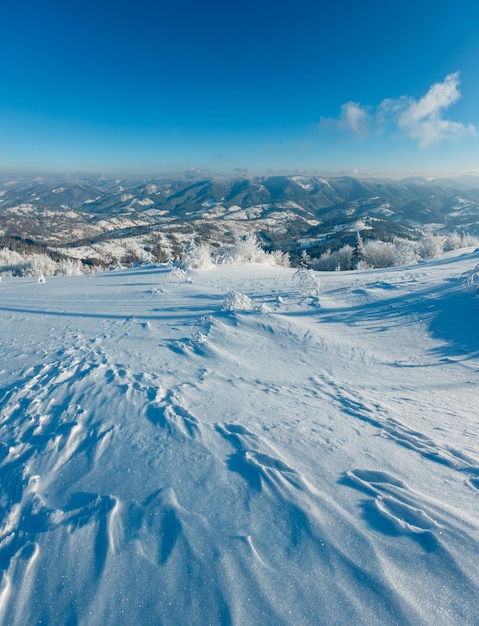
(286, 212)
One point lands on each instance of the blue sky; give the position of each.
(380, 88)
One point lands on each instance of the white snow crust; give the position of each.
(169, 455)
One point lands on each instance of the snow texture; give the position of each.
(217, 448)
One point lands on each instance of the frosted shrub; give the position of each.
(330, 261)
(472, 280)
(468, 241)
(177, 275)
(455, 241)
(327, 262)
(363, 265)
(378, 254)
(196, 257)
(235, 300)
(11, 262)
(39, 265)
(245, 250)
(430, 247)
(70, 267)
(309, 285)
(263, 308)
(344, 257)
(452, 242)
(405, 253)
(280, 258)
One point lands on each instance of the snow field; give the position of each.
(223, 447)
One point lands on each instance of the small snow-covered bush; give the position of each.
(468, 241)
(363, 265)
(263, 308)
(329, 261)
(177, 275)
(430, 246)
(378, 254)
(245, 250)
(454, 241)
(472, 280)
(237, 301)
(11, 262)
(39, 265)
(196, 257)
(309, 285)
(405, 253)
(70, 267)
(279, 258)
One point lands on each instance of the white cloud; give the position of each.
(354, 117)
(422, 120)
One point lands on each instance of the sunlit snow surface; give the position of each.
(219, 447)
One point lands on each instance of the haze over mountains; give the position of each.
(286, 212)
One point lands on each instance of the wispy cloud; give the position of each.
(354, 117)
(422, 120)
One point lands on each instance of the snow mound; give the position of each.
(237, 301)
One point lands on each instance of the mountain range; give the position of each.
(287, 212)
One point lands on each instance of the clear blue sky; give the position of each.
(134, 85)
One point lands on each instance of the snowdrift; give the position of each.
(233, 446)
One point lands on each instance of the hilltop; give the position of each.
(248, 444)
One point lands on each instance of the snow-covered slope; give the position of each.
(221, 447)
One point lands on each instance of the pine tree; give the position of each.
(358, 251)
(305, 260)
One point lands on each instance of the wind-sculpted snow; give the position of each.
(226, 447)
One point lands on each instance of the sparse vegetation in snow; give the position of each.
(237, 301)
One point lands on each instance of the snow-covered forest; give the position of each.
(18, 260)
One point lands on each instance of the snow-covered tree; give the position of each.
(358, 251)
(245, 250)
(377, 254)
(71, 267)
(454, 241)
(39, 265)
(430, 246)
(196, 256)
(405, 253)
(305, 260)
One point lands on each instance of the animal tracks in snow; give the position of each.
(379, 416)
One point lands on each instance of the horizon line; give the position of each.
(133, 173)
